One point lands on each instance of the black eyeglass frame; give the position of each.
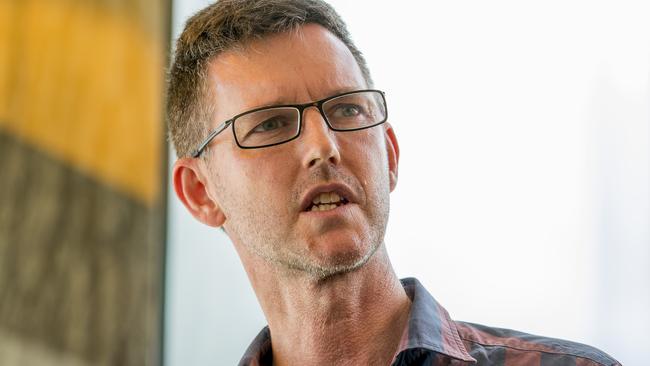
(301, 108)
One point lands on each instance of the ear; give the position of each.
(392, 148)
(190, 186)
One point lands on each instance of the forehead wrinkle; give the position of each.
(260, 74)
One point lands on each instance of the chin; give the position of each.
(329, 258)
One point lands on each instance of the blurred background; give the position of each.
(524, 130)
(82, 181)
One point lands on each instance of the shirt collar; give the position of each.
(429, 327)
(259, 352)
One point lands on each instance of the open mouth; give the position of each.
(326, 201)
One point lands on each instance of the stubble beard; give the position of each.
(304, 262)
(292, 257)
(289, 255)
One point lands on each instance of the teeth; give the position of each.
(325, 201)
(323, 207)
(326, 197)
(327, 207)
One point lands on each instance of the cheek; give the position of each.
(365, 156)
(257, 184)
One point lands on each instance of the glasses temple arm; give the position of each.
(211, 136)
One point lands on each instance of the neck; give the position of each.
(354, 318)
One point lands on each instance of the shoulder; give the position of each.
(489, 345)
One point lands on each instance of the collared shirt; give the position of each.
(431, 338)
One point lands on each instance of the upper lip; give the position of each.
(339, 188)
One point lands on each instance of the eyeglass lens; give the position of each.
(275, 125)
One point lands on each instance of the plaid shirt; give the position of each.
(432, 338)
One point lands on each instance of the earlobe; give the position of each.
(392, 149)
(190, 187)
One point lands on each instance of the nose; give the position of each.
(317, 141)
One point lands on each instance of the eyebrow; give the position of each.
(284, 101)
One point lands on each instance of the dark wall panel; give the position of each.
(79, 262)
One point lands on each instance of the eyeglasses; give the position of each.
(270, 126)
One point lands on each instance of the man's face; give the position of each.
(263, 192)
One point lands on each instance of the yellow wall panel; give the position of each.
(63, 71)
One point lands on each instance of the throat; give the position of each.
(342, 332)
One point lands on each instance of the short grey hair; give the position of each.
(225, 25)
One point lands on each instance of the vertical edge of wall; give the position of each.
(164, 176)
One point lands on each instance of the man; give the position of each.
(284, 143)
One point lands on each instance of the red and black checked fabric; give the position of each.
(431, 338)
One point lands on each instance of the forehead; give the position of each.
(292, 67)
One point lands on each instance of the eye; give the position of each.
(270, 124)
(348, 110)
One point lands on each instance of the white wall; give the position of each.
(524, 176)
(211, 312)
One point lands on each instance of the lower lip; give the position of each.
(339, 210)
